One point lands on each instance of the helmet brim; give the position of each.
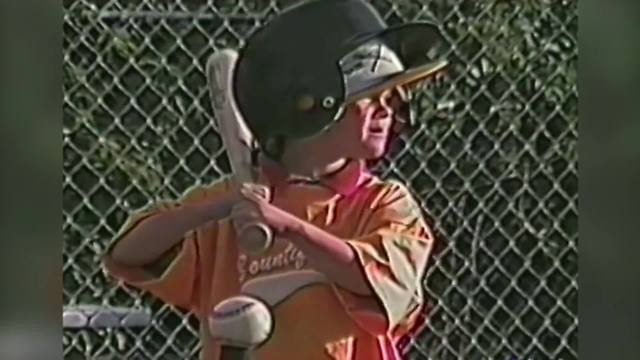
(407, 78)
(414, 44)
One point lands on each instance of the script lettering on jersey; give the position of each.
(290, 257)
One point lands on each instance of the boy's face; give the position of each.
(367, 125)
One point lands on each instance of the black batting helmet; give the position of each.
(295, 75)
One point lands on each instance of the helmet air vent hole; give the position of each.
(328, 102)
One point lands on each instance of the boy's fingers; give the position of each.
(251, 195)
(255, 191)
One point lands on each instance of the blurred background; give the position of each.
(494, 165)
(609, 177)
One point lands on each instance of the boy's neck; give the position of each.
(309, 163)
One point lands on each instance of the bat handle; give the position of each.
(255, 238)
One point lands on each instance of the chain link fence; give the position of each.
(494, 164)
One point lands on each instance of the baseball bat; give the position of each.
(237, 138)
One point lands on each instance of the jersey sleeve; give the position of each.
(174, 277)
(392, 254)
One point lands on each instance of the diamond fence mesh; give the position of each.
(494, 164)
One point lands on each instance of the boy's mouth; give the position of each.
(376, 130)
(378, 127)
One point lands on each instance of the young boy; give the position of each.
(323, 87)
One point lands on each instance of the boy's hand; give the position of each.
(254, 207)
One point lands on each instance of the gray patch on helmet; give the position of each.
(368, 61)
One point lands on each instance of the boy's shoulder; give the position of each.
(392, 199)
(387, 191)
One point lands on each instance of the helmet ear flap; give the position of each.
(274, 147)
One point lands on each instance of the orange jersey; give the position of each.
(314, 318)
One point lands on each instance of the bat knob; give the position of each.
(255, 238)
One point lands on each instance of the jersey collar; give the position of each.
(344, 182)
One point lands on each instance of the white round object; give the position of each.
(255, 238)
(241, 321)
